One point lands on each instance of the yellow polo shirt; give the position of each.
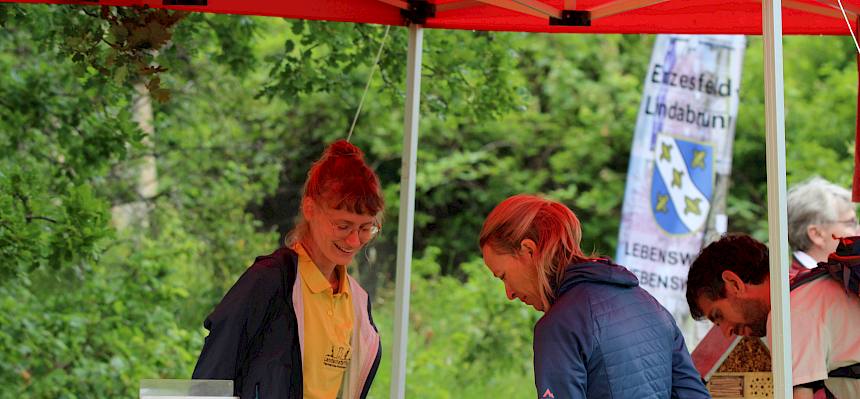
(327, 330)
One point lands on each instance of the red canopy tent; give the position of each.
(770, 18)
(607, 16)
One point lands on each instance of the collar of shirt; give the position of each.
(805, 259)
(314, 278)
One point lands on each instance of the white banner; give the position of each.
(683, 139)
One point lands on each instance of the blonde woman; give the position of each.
(296, 325)
(601, 335)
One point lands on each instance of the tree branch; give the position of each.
(36, 217)
(94, 15)
(29, 217)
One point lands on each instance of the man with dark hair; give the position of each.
(729, 284)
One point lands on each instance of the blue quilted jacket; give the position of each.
(606, 338)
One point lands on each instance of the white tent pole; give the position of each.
(407, 212)
(776, 203)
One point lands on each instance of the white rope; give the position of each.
(849, 26)
(369, 79)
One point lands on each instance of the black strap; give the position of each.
(807, 276)
(852, 371)
(814, 385)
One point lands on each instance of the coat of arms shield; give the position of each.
(682, 184)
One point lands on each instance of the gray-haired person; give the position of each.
(818, 210)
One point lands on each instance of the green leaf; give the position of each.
(120, 74)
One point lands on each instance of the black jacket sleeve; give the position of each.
(235, 321)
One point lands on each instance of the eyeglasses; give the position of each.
(343, 229)
(847, 222)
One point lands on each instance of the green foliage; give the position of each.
(90, 310)
(59, 131)
(118, 43)
(95, 332)
(477, 81)
(465, 338)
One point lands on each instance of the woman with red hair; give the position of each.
(295, 324)
(601, 335)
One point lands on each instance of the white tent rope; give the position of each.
(849, 26)
(369, 79)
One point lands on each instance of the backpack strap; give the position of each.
(809, 275)
(852, 371)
